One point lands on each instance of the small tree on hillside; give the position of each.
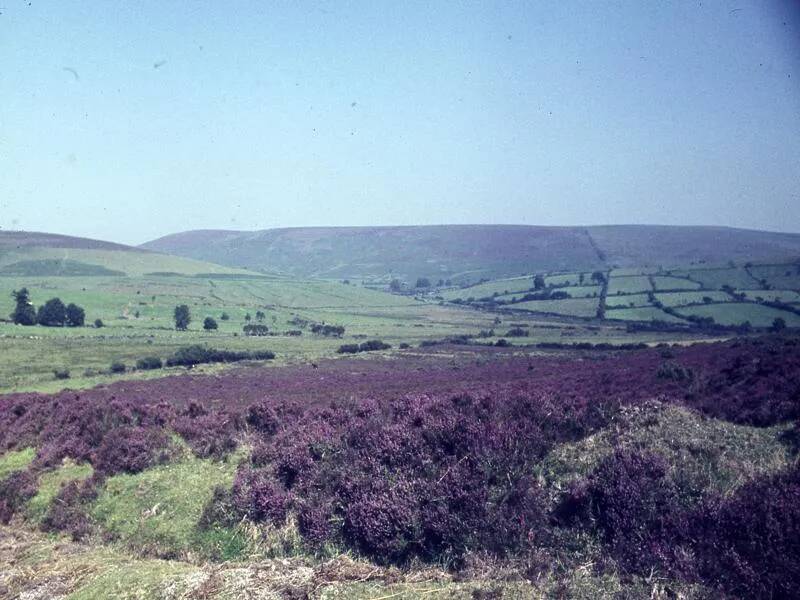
(423, 282)
(209, 324)
(395, 285)
(76, 316)
(24, 313)
(538, 282)
(260, 316)
(598, 277)
(53, 313)
(182, 317)
(778, 324)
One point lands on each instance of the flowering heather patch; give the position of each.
(431, 457)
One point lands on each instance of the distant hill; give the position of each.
(31, 254)
(471, 252)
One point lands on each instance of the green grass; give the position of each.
(642, 313)
(130, 262)
(156, 512)
(714, 279)
(499, 286)
(787, 296)
(739, 312)
(629, 285)
(50, 483)
(625, 300)
(683, 298)
(15, 460)
(573, 307)
(568, 279)
(778, 276)
(674, 283)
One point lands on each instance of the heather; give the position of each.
(541, 461)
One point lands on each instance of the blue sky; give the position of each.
(131, 120)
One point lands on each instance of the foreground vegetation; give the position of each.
(583, 472)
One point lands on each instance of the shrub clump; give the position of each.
(148, 363)
(369, 346)
(195, 355)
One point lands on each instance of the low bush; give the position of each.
(118, 367)
(255, 329)
(61, 373)
(195, 355)
(148, 363)
(368, 346)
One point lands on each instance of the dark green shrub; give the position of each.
(148, 363)
(118, 367)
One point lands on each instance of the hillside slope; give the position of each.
(470, 252)
(24, 253)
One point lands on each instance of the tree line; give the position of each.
(53, 313)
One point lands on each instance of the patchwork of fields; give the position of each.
(748, 296)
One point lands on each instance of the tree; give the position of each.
(182, 317)
(24, 313)
(53, 313)
(598, 277)
(395, 285)
(779, 324)
(76, 316)
(247, 317)
(98, 323)
(224, 316)
(538, 282)
(209, 324)
(260, 316)
(423, 282)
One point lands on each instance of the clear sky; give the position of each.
(130, 120)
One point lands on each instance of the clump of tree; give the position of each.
(255, 329)
(24, 312)
(396, 285)
(327, 330)
(517, 332)
(538, 282)
(369, 346)
(52, 313)
(182, 317)
(195, 355)
(75, 315)
(209, 324)
(423, 282)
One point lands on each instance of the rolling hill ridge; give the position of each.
(471, 252)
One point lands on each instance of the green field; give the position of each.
(714, 279)
(785, 276)
(642, 313)
(629, 285)
(683, 298)
(498, 286)
(24, 261)
(674, 283)
(738, 312)
(627, 301)
(573, 307)
(787, 296)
